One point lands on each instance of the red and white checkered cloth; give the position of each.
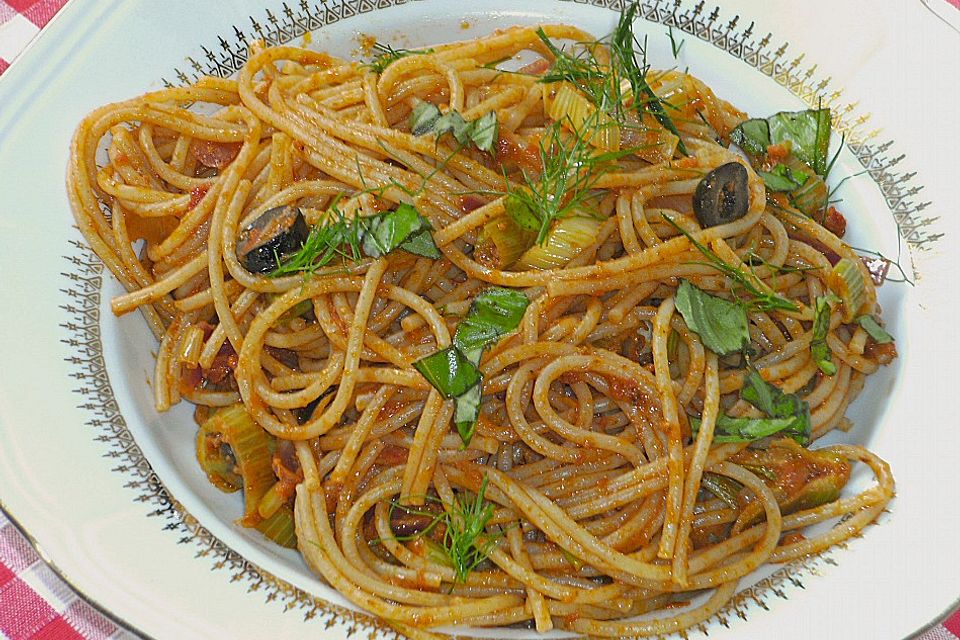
(34, 602)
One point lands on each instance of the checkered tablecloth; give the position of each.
(34, 602)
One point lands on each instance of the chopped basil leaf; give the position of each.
(485, 131)
(421, 243)
(721, 324)
(753, 136)
(482, 132)
(729, 429)
(449, 372)
(423, 118)
(874, 330)
(493, 314)
(783, 178)
(777, 404)
(808, 133)
(819, 349)
(453, 371)
(467, 411)
(404, 225)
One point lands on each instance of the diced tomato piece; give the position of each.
(215, 154)
(834, 222)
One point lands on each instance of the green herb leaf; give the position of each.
(421, 243)
(493, 314)
(730, 429)
(464, 540)
(485, 131)
(775, 403)
(786, 413)
(809, 133)
(721, 324)
(874, 330)
(449, 372)
(482, 132)
(424, 118)
(753, 136)
(388, 231)
(819, 349)
(783, 178)
(335, 237)
(453, 371)
(674, 47)
(466, 411)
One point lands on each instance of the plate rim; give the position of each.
(58, 23)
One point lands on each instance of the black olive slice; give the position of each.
(277, 233)
(722, 196)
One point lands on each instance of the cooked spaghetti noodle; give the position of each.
(596, 483)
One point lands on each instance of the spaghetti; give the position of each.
(533, 347)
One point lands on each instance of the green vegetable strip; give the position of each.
(819, 349)
(874, 330)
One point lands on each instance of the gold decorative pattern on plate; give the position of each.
(85, 277)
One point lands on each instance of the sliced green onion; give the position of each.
(727, 489)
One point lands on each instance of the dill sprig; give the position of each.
(336, 236)
(624, 47)
(465, 542)
(570, 168)
(749, 282)
(603, 84)
(387, 55)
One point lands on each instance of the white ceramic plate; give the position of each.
(110, 490)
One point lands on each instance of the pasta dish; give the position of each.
(514, 331)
